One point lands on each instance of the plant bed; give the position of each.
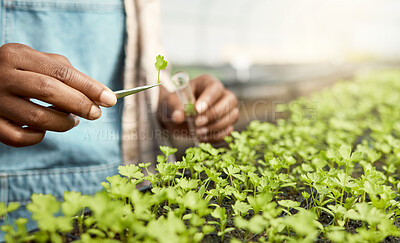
(329, 173)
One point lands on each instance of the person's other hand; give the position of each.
(216, 109)
(26, 73)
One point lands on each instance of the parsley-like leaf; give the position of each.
(160, 64)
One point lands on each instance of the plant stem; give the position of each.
(344, 184)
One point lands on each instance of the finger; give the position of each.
(52, 91)
(216, 136)
(60, 58)
(76, 118)
(208, 91)
(225, 105)
(220, 125)
(24, 112)
(15, 136)
(171, 110)
(35, 61)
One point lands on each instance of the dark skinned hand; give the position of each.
(215, 105)
(26, 73)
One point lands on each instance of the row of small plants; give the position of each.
(328, 173)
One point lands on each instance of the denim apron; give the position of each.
(90, 33)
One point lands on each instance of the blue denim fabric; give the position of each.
(90, 33)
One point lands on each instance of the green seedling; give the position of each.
(160, 64)
(329, 172)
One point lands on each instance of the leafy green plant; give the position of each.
(331, 175)
(160, 64)
(220, 214)
(5, 209)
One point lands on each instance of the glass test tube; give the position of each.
(186, 97)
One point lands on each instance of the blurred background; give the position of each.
(272, 51)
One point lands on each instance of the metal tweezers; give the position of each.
(126, 92)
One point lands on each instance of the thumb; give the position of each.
(175, 112)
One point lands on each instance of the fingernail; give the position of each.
(202, 131)
(201, 121)
(201, 106)
(95, 112)
(76, 120)
(108, 99)
(176, 115)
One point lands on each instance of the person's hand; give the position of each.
(216, 109)
(26, 73)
